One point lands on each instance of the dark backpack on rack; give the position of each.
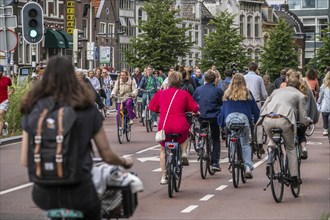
(53, 151)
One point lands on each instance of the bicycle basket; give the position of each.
(118, 202)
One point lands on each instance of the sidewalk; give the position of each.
(8, 140)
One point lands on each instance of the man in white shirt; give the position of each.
(257, 87)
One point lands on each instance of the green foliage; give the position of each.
(323, 54)
(162, 41)
(280, 50)
(223, 46)
(13, 116)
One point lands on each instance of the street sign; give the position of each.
(8, 40)
(8, 10)
(105, 54)
(9, 21)
(90, 55)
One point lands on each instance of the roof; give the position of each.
(291, 19)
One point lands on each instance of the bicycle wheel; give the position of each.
(120, 130)
(276, 179)
(170, 179)
(296, 191)
(203, 159)
(150, 121)
(147, 119)
(234, 164)
(209, 148)
(128, 131)
(178, 175)
(310, 130)
(240, 158)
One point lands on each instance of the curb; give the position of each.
(9, 140)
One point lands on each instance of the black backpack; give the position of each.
(53, 151)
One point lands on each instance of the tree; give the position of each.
(162, 39)
(280, 50)
(223, 46)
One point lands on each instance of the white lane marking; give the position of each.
(144, 159)
(149, 148)
(15, 188)
(207, 197)
(221, 187)
(157, 170)
(314, 143)
(189, 208)
(260, 161)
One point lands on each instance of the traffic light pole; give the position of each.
(33, 52)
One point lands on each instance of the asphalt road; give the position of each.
(212, 198)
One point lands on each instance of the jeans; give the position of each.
(215, 134)
(325, 117)
(244, 136)
(108, 100)
(144, 103)
(129, 107)
(81, 197)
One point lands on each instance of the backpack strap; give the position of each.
(37, 141)
(59, 141)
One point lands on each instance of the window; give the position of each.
(85, 28)
(103, 27)
(294, 4)
(196, 38)
(249, 26)
(131, 21)
(111, 28)
(308, 4)
(256, 27)
(241, 25)
(122, 21)
(322, 4)
(313, 27)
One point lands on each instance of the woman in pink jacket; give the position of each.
(176, 121)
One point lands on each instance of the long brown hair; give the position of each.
(237, 89)
(60, 82)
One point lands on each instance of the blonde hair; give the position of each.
(303, 86)
(293, 79)
(174, 79)
(326, 81)
(237, 89)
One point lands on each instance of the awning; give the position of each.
(54, 39)
(67, 38)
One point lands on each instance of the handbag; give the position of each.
(160, 135)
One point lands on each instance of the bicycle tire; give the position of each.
(147, 119)
(242, 168)
(150, 120)
(120, 130)
(296, 191)
(235, 167)
(128, 131)
(170, 180)
(276, 179)
(178, 176)
(202, 159)
(310, 130)
(209, 148)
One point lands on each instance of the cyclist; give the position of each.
(5, 82)
(59, 82)
(149, 82)
(209, 99)
(280, 111)
(125, 88)
(238, 102)
(176, 121)
(256, 85)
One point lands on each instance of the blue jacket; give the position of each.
(248, 107)
(209, 99)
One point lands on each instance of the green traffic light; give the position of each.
(33, 33)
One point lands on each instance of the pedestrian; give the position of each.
(209, 99)
(281, 78)
(60, 85)
(313, 83)
(282, 109)
(224, 84)
(176, 121)
(256, 85)
(5, 83)
(94, 80)
(238, 103)
(268, 85)
(324, 103)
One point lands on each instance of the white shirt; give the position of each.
(95, 83)
(256, 85)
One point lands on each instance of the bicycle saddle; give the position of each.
(173, 135)
(276, 130)
(236, 126)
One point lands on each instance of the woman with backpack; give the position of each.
(80, 121)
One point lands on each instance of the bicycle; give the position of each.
(253, 141)
(148, 119)
(235, 154)
(205, 150)
(173, 164)
(193, 131)
(123, 126)
(278, 171)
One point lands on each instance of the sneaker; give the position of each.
(325, 132)
(5, 129)
(216, 167)
(163, 180)
(261, 149)
(304, 153)
(155, 124)
(295, 182)
(248, 173)
(130, 122)
(184, 158)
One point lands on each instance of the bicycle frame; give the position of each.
(205, 153)
(123, 128)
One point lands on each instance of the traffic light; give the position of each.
(32, 23)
